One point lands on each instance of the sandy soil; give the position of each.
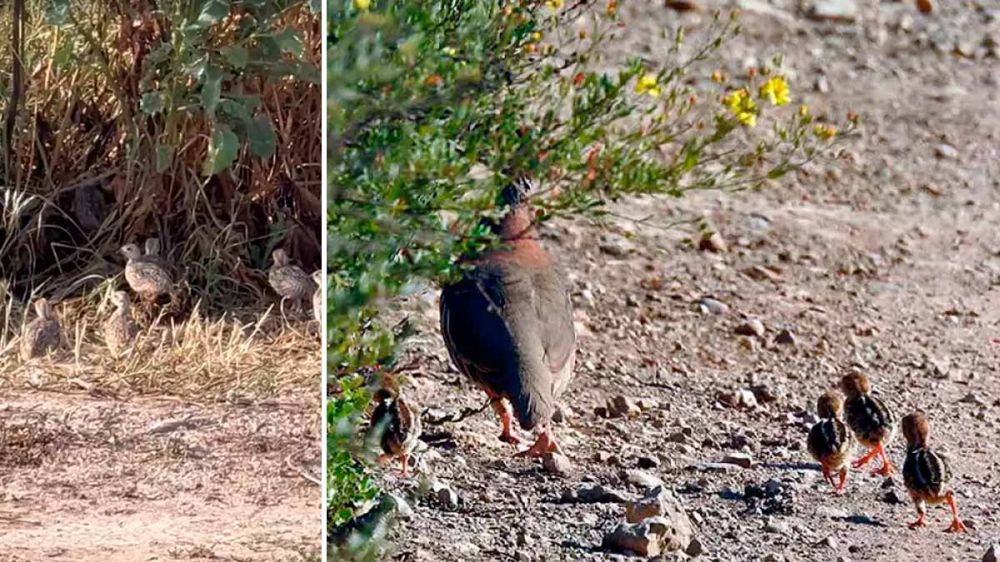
(888, 260)
(86, 477)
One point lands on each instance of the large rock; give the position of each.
(657, 521)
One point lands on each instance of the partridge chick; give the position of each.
(42, 334)
(830, 442)
(395, 426)
(120, 329)
(869, 418)
(289, 280)
(508, 325)
(145, 274)
(926, 473)
(317, 278)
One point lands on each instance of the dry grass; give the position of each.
(81, 178)
(238, 357)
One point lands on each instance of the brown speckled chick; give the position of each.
(120, 329)
(926, 473)
(830, 442)
(395, 425)
(289, 280)
(508, 325)
(145, 274)
(869, 418)
(317, 278)
(42, 334)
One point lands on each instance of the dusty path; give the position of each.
(90, 478)
(889, 260)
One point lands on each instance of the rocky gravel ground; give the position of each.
(698, 370)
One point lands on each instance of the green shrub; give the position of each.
(436, 105)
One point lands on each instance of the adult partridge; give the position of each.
(869, 418)
(290, 281)
(120, 329)
(830, 442)
(926, 473)
(508, 325)
(42, 334)
(145, 274)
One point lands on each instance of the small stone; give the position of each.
(399, 505)
(742, 460)
(524, 539)
(644, 479)
(828, 542)
(836, 10)
(647, 462)
(772, 487)
(523, 556)
(751, 327)
(925, 6)
(892, 498)
(822, 85)
(888, 483)
(556, 463)
(785, 337)
(598, 494)
(709, 305)
(971, 398)
(695, 548)
(712, 242)
(746, 398)
(623, 406)
(773, 526)
(562, 413)
(446, 496)
(772, 557)
(992, 553)
(946, 151)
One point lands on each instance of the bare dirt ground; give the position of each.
(888, 261)
(110, 475)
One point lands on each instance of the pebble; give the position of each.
(946, 151)
(992, 553)
(892, 497)
(925, 6)
(556, 463)
(655, 524)
(644, 479)
(645, 461)
(713, 242)
(710, 305)
(593, 494)
(695, 548)
(751, 327)
(837, 10)
(786, 337)
(742, 460)
(772, 526)
(828, 542)
(445, 495)
(623, 406)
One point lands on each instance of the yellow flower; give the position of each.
(536, 36)
(775, 90)
(826, 132)
(554, 4)
(363, 5)
(450, 51)
(742, 106)
(803, 110)
(647, 85)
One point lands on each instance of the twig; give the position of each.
(301, 471)
(453, 417)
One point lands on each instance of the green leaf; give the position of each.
(164, 157)
(290, 42)
(211, 90)
(236, 56)
(222, 150)
(212, 12)
(57, 12)
(261, 137)
(151, 103)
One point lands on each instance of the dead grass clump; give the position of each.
(128, 121)
(230, 357)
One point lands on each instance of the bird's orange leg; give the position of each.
(405, 459)
(839, 490)
(920, 518)
(886, 469)
(826, 475)
(864, 460)
(506, 434)
(956, 524)
(543, 444)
